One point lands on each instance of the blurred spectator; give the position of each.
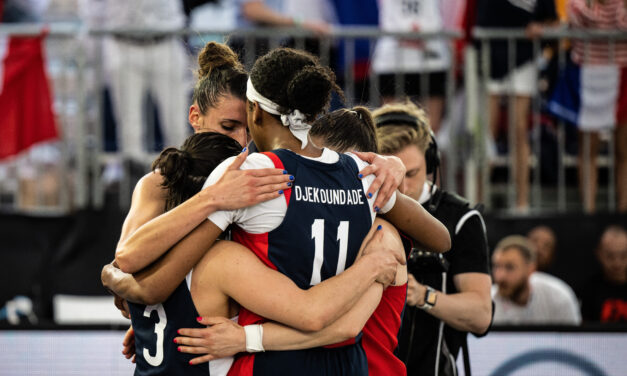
(415, 60)
(153, 62)
(544, 241)
(314, 16)
(522, 81)
(356, 13)
(603, 93)
(523, 298)
(604, 297)
(22, 10)
(311, 15)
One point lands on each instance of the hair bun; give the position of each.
(215, 56)
(174, 165)
(310, 89)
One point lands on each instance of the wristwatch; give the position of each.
(430, 299)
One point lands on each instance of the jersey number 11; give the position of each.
(317, 233)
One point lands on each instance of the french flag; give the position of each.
(587, 96)
(26, 115)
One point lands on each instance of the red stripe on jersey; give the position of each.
(380, 334)
(243, 365)
(278, 164)
(258, 243)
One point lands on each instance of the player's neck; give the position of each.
(284, 139)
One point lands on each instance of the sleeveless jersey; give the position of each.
(380, 334)
(155, 328)
(326, 220)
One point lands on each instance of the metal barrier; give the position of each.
(75, 64)
(561, 197)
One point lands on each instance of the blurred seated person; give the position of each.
(543, 239)
(522, 298)
(604, 296)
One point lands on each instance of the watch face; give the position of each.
(431, 297)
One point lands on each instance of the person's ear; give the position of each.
(257, 113)
(194, 117)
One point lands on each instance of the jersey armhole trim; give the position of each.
(287, 192)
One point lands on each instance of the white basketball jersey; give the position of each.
(392, 55)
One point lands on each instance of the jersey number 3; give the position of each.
(157, 359)
(317, 233)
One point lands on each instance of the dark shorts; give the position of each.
(435, 84)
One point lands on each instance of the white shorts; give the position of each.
(599, 89)
(521, 81)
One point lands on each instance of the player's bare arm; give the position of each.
(235, 189)
(223, 338)
(411, 218)
(407, 215)
(147, 202)
(160, 279)
(277, 298)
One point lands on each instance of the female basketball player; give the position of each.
(219, 106)
(342, 130)
(208, 289)
(328, 204)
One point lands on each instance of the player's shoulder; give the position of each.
(360, 163)
(257, 160)
(150, 186)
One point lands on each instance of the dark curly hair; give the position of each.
(220, 73)
(295, 79)
(185, 170)
(346, 130)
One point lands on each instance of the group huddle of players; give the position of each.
(281, 260)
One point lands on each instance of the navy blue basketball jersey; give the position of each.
(155, 328)
(327, 218)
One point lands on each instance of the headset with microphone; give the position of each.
(432, 154)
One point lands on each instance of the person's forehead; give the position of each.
(541, 234)
(615, 247)
(510, 254)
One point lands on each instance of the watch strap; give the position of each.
(430, 299)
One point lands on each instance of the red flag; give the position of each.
(26, 115)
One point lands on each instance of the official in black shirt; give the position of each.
(438, 314)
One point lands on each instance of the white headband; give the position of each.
(294, 120)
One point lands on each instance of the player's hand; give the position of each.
(221, 338)
(415, 291)
(242, 188)
(122, 305)
(389, 172)
(534, 30)
(128, 344)
(320, 28)
(385, 255)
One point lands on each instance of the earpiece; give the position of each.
(432, 154)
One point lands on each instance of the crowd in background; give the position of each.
(142, 91)
(155, 69)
